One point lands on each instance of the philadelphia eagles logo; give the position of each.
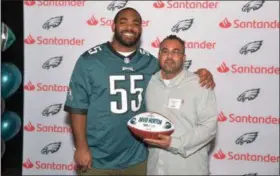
(247, 138)
(248, 95)
(52, 62)
(117, 4)
(52, 110)
(252, 5)
(182, 25)
(251, 47)
(187, 64)
(51, 148)
(52, 22)
(250, 174)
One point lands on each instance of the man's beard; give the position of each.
(118, 37)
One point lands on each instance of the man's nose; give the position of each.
(129, 26)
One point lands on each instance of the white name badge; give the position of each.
(175, 103)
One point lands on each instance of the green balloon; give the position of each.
(3, 147)
(11, 79)
(7, 37)
(3, 104)
(10, 125)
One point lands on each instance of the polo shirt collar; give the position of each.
(174, 81)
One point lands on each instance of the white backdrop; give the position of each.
(237, 41)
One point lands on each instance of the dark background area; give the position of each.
(12, 16)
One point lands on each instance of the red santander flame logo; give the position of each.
(223, 68)
(159, 4)
(29, 40)
(29, 127)
(29, 2)
(27, 164)
(225, 23)
(92, 21)
(219, 155)
(29, 86)
(222, 117)
(156, 43)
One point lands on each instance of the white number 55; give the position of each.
(123, 93)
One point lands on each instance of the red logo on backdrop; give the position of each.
(190, 44)
(40, 40)
(222, 117)
(47, 128)
(48, 166)
(45, 87)
(237, 23)
(249, 69)
(223, 68)
(29, 127)
(171, 4)
(159, 4)
(103, 21)
(225, 23)
(267, 158)
(28, 164)
(61, 3)
(29, 40)
(92, 21)
(29, 2)
(156, 43)
(29, 86)
(219, 155)
(233, 118)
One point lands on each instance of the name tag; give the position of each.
(175, 103)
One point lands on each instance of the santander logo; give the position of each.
(233, 118)
(29, 127)
(225, 23)
(92, 21)
(190, 44)
(79, 3)
(274, 24)
(103, 21)
(221, 155)
(45, 87)
(40, 40)
(47, 128)
(248, 69)
(28, 164)
(159, 4)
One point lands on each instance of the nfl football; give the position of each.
(150, 125)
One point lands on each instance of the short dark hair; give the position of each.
(127, 8)
(174, 37)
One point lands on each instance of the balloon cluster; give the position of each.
(11, 79)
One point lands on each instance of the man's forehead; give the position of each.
(171, 44)
(129, 13)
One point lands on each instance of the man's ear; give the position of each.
(113, 27)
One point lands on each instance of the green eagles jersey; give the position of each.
(109, 88)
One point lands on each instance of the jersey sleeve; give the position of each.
(77, 100)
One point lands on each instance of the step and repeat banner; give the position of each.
(238, 41)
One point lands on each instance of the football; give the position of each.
(150, 125)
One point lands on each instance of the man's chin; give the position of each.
(129, 44)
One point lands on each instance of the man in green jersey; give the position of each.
(107, 88)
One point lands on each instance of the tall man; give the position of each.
(175, 93)
(107, 88)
